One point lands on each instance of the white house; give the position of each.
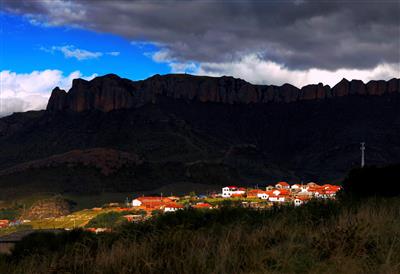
(277, 198)
(228, 191)
(263, 195)
(136, 202)
(300, 200)
(295, 187)
(172, 207)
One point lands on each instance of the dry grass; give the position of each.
(349, 239)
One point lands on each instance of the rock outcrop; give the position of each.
(111, 92)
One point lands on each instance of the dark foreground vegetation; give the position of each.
(361, 182)
(320, 237)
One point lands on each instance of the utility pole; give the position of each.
(362, 154)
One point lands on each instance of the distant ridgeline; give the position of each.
(111, 92)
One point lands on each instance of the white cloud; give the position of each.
(80, 54)
(164, 56)
(183, 67)
(70, 51)
(257, 71)
(31, 91)
(114, 53)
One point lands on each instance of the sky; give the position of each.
(44, 44)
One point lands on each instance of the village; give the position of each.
(281, 193)
(145, 207)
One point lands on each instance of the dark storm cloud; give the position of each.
(298, 34)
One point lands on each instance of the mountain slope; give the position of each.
(197, 140)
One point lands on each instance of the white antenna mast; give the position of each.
(362, 154)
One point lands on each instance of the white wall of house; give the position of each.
(298, 202)
(228, 192)
(263, 196)
(136, 202)
(276, 199)
(170, 209)
(282, 186)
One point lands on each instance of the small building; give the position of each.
(263, 195)
(228, 191)
(312, 184)
(253, 193)
(299, 200)
(269, 188)
(172, 207)
(202, 206)
(149, 201)
(278, 198)
(4, 223)
(295, 187)
(282, 185)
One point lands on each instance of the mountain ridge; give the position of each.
(110, 92)
(194, 141)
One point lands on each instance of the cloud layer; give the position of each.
(31, 91)
(327, 35)
(257, 71)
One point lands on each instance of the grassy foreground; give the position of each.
(334, 237)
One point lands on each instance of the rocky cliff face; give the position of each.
(111, 92)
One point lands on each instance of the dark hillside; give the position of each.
(209, 142)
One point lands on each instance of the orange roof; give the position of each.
(173, 205)
(284, 191)
(255, 191)
(145, 199)
(283, 184)
(202, 205)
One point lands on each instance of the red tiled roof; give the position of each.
(283, 184)
(146, 199)
(284, 192)
(255, 191)
(202, 205)
(173, 205)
